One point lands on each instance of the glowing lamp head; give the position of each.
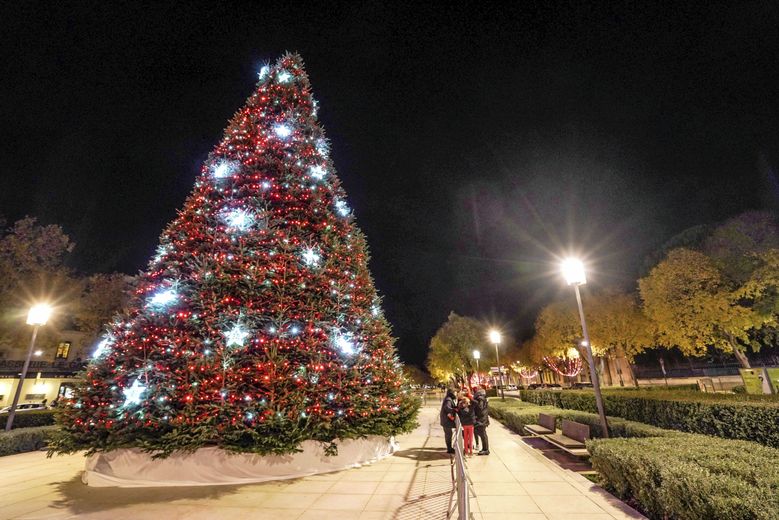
(39, 314)
(476, 354)
(573, 271)
(495, 336)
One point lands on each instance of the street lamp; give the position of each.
(495, 338)
(38, 315)
(477, 357)
(573, 272)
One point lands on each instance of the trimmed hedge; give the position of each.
(691, 477)
(30, 419)
(25, 439)
(515, 415)
(684, 411)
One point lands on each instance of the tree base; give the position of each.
(132, 467)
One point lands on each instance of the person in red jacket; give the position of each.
(467, 418)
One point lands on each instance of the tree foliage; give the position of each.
(692, 307)
(450, 357)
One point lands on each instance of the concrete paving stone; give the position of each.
(513, 516)
(498, 488)
(368, 476)
(353, 488)
(341, 502)
(393, 488)
(290, 500)
(567, 504)
(536, 476)
(321, 514)
(377, 515)
(507, 504)
(398, 476)
(550, 488)
(385, 503)
(574, 516)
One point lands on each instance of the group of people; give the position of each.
(472, 407)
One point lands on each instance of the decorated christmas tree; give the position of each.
(256, 325)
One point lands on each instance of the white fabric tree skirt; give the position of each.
(214, 466)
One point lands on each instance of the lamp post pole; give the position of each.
(477, 356)
(573, 270)
(495, 338)
(38, 316)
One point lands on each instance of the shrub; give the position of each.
(721, 415)
(30, 419)
(25, 439)
(691, 476)
(739, 389)
(515, 415)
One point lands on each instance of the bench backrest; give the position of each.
(547, 421)
(575, 430)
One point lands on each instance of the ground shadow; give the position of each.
(79, 498)
(423, 454)
(561, 457)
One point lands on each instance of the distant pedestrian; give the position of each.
(481, 408)
(448, 410)
(467, 419)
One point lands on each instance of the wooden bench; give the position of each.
(546, 425)
(572, 439)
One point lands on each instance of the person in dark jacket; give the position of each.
(481, 410)
(467, 419)
(448, 409)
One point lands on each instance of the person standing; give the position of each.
(448, 409)
(481, 408)
(467, 419)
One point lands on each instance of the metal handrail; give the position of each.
(460, 480)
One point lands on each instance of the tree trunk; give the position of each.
(742, 358)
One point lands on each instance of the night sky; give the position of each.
(476, 143)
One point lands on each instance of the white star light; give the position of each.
(317, 172)
(163, 298)
(224, 168)
(132, 395)
(238, 219)
(102, 347)
(264, 71)
(283, 76)
(282, 130)
(341, 207)
(311, 258)
(343, 341)
(375, 310)
(322, 147)
(236, 336)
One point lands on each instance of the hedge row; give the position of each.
(753, 421)
(29, 419)
(25, 439)
(515, 415)
(691, 477)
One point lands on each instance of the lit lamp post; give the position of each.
(495, 338)
(573, 271)
(38, 315)
(477, 357)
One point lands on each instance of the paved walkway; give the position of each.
(514, 482)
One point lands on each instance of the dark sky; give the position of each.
(475, 142)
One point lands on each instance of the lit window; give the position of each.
(63, 349)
